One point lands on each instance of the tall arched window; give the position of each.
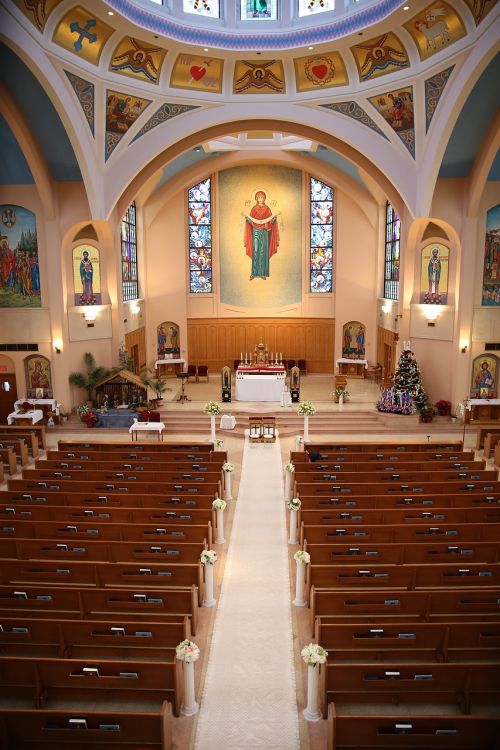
(321, 237)
(391, 264)
(130, 282)
(200, 237)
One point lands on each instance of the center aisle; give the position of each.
(249, 694)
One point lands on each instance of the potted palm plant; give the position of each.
(157, 383)
(89, 379)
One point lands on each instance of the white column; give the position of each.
(293, 527)
(219, 539)
(189, 705)
(306, 427)
(311, 711)
(288, 484)
(208, 598)
(341, 399)
(299, 600)
(212, 428)
(227, 486)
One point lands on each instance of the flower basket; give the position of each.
(306, 409)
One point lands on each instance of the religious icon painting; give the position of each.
(122, 111)
(436, 27)
(484, 377)
(491, 267)
(19, 267)
(259, 10)
(38, 11)
(259, 77)
(83, 33)
(138, 59)
(197, 73)
(207, 8)
(86, 275)
(319, 72)
(379, 56)
(353, 340)
(38, 377)
(396, 107)
(480, 8)
(167, 334)
(434, 274)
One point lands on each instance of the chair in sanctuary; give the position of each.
(289, 364)
(154, 416)
(202, 372)
(191, 371)
(302, 365)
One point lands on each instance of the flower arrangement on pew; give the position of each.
(187, 651)
(212, 408)
(208, 557)
(314, 654)
(293, 504)
(302, 557)
(227, 466)
(219, 504)
(306, 409)
(289, 467)
(218, 444)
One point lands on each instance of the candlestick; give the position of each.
(241, 356)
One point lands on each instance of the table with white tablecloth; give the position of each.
(50, 403)
(227, 422)
(259, 387)
(146, 427)
(33, 416)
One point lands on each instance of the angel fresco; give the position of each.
(137, 59)
(380, 56)
(258, 76)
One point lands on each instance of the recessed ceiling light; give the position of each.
(205, 49)
(406, 7)
(110, 13)
(310, 47)
(197, 149)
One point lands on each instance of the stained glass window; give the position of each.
(259, 10)
(307, 7)
(202, 7)
(321, 236)
(200, 237)
(391, 266)
(130, 283)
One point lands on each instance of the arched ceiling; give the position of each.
(415, 64)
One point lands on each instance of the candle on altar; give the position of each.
(241, 356)
(281, 356)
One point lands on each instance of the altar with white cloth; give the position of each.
(33, 416)
(260, 383)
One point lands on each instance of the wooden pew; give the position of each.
(303, 457)
(383, 468)
(64, 602)
(490, 441)
(126, 454)
(403, 533)
(400, 730)
(411, 642)
(192, 468)
(18, 446)
(106, 501)
(397, 553)
(83, 729)
(95, 473)
(111, 445)
(37, 430)
(466, 687)
(394, 488)
(482, 432)
(100, 551)
(8, 460)
(395, 446)
(88, 639)
(38, 682)
(404, 606)
(306, 478)
(388, 516)
(424, 502)
(105, 485)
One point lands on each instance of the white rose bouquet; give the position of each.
(219, 504)
(212, 408)
(294, 503)
(302, 557)
(314, 654)
(187, 651)
(227, 466)
(208, 557)
(219, 443)
(306, 409)
(289, 467)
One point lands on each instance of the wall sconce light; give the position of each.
(431, 313)
(135, 309)
(89, 316)
(57, 347)
(386, 307)
(464, 345)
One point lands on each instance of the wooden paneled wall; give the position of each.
(137, 338)
(386, 351)
(217, 342)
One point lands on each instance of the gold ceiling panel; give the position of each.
(259, 77)
(379, 56)
(38, 11)
(436, 27)
(138, 59)
(197, 73)
(82, 33)
(317, 72)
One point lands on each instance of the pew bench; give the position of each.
(138, 453)
(8, 460)
(35, 430)
(303, 457)
(18, 446)
(395, 446)
(407, 533)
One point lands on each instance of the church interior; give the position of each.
(276, 303)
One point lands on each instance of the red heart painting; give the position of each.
(319, 71)
(197, 72)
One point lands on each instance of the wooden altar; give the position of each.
(352, 368)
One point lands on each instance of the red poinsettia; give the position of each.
(90, 418)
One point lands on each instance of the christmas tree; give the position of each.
(407, 395)
(407, 378)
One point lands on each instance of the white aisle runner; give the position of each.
(249, 694)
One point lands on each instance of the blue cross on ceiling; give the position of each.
(84, 33)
